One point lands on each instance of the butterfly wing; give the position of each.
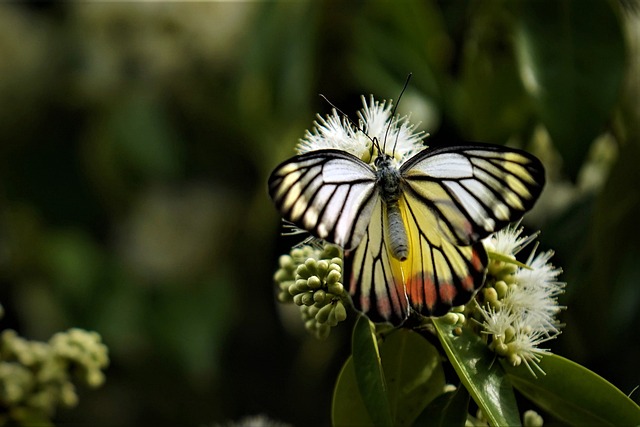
(329, 193)
(376, 281)
(453, 197)
(438, 274)
(473, 190)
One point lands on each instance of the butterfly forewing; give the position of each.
(329, 193)
(473, 190)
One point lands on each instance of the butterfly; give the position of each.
(411, 232)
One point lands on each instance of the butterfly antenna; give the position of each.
(393, 114)
(373, 140)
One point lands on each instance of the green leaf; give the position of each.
(571, 56)
(449, 409)
(574, 394)
(369, 374)
(485, 379)
(348, 408)
(413, 374)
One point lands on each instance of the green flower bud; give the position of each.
(298, 287)
(532, 419)
(322, 331)
(509, 334)
(297, 253)
(285, 262)
(501, 288)
(314, 282)
(297, 299)
(331, 251)
(281, 275)
(333, 276)
(312, 310)
(500, 348)
(336, 288)
(340, 311)
(323, 267)
(302, 272)
(310, 325)
(450, 318)
(514, 359)
(319, 296)
(490, 295)
(494, 268)
(312, 266)
(331, 319)
(323, 313)
(307, 298)
(284, 297)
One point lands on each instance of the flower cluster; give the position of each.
(519, 302)
(36, 377)
(396, 136)
(311, 278)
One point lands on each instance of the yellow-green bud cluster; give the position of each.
(36, 377)
(501, 277)
(456, 316)
(312, 279)
(532, 419)
(500, 270)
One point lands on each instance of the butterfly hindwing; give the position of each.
(376, 281)
(438, 274)
(329, 193)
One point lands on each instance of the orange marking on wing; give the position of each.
(422, 291)
(476, 262)
(447, 292)
(467, 283)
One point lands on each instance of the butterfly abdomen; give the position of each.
(398, 241)
(389, 182)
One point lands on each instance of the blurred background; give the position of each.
(137, 138)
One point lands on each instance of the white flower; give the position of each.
(497, 322)
(520, 303)
(536, 294)
(394, 135)
(508, 241)
(524, 347)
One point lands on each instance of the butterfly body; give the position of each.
(411, 233)
(389, 182)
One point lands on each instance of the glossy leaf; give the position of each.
(571, 57)
(368, 371)
(413, 370)
(413, 374)
(574, 394)
(485, 379)
(449, 409)
(348, 408)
